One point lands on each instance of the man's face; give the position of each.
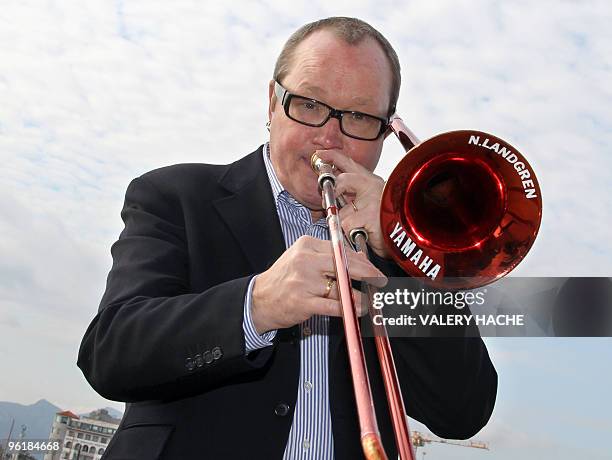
(343, 76)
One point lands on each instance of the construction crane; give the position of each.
(420, 439)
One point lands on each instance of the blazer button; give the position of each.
(208, 357)
(217, 353)
(198, 360)
(282, 409)
(189, 364)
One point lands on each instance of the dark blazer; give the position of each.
(168, 335)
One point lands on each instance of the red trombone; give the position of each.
(471, 204)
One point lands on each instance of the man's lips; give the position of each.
(306, 161)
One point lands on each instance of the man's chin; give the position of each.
(313, 204)
(314, 208)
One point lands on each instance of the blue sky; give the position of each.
(95, 93)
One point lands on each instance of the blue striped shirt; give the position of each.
(310, 437)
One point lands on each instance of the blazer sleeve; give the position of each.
(152, 338)
(448, 383)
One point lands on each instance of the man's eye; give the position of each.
(357, 116)
(309, 105)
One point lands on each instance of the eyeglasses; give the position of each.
(311, 112)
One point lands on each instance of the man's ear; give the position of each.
(271, 99)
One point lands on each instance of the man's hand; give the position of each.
(295, 287)
(363, 188)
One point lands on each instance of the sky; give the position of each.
(93, 94)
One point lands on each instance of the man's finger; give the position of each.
(341, 161)
(351, 185)
(361, 267)
(333, 307)
(361, 302)
(329, 307)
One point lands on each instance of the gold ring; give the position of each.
(328, 287)
(354, 205)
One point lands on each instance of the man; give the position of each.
(219, 324)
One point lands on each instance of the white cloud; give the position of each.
(95, 93)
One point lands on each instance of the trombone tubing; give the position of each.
(383, 347)
(370, 436)
(384, 352)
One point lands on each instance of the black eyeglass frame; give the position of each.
(284, 96)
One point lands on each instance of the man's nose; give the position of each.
(329, 135)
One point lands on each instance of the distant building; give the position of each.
(82, 438)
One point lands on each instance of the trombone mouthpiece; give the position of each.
(325, 171)
(319, 166)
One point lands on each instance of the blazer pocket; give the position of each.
(138, 442)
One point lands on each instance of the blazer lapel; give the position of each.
(250, 214)
(250, 211)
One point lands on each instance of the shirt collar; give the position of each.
(277, 187)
